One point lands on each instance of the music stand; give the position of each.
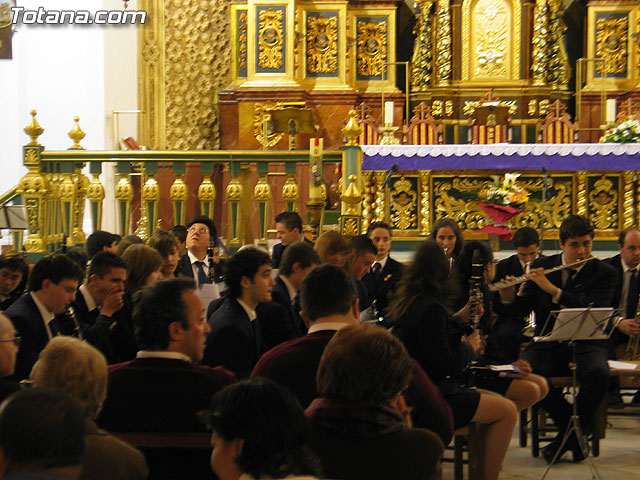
(572, 325)
(13, 217)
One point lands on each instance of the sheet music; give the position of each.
(579, 324)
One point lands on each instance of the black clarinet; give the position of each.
(212, 274)
(69, 324)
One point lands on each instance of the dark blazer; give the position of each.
(235, 342)
(294, 365)
(7, 387)
(95, 327)
(279, 320)
(618, 337)
(184, 268)
(593, 285)
(278, 251)
(382, 290)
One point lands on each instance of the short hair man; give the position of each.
(506, 335)
(13, 270)
(289, 231)
(101, 241)
(363, 254)
(41, 436)
(162, 389)
(180, 232)
(9, 344)
(590, 284)
(52, 287)
(100, 297)
(329, 301)
(280, 319)
(201, 231)
(235, 341)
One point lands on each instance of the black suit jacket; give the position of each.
(382, 290)
(279, 320)
(96, 327)
(184, 268)
(235, 342)
(618, 337)
(593, 285)
(506, 267)
(278, 251)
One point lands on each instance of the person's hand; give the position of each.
(399, 404)
(507, 293)
(538, 276)
(524, 366)
(629, 326)
(474, 340)
(112, 302)
(464, 314)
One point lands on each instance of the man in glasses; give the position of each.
(194, 264)
(9, 344)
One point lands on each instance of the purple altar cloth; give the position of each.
(577, 156)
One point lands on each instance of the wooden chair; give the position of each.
(490, 121)
(557, 126)
(368, 125)
(466, 439)
(423, 129)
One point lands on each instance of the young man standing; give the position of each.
(289, 231)
(235, 341)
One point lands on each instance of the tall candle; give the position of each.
(611, 110)
(315, 168)
(388, 113)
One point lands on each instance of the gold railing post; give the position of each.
(82, 187)
(628, 208)
(351, 210)
(234, 198)
(149, 197)
(124, 195)
(66, 196)
(96, 194)
(207, 190)
(262, 196)
(291, 193)
(178, 194)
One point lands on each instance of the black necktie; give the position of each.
(376, 268)
(632, 294)
(571, 275)
(202, 277)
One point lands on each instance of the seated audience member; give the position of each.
(289, 231)
(201, 231)
(381, 281)
(166, 245)
(52, 287)
(162, 389)
(99, 299)
(13, 270)
(447, 234)
(76, 368)
(180, 232)
(362, 255)
(99, 241)
(329, 302)
(333, 248)
(9, 344)
(361, 426)
(280, 319)
(259, 432)
(126, 242)
(235, 341)
(436, 339)
(41, 436)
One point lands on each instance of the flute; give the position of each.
(494, 287)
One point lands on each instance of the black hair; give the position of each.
(42, 428)
(271, 423)
(157, 307)
(245, 263)
(291, 220)
(98, 240)
(361, 244)
(453, 225)
(301, 253)
(180, 231)
(621, 238)
(16, 262)
(464, 261)
(213, 231)
(373, 225)
(76, 254)
(126, 242)
(55, 268)
(103, 262)
(163, 242)
(525, 237)
(327, 290)
(575, 226)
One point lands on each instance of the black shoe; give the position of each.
(550, 450)
(578, 456)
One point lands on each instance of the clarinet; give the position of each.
(70, 316)
(210, 248)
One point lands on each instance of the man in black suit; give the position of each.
(194, 264)
(280, 319)
(289, 231)
(52, 287)
(235, 341)
(589, 284)
(507, 332)
(363, 254)
(385, 272)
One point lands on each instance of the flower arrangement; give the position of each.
(507, 192)
(627, 132)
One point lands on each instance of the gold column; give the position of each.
(422, 50)
(351, 198)
(290, 193)
(66, 195)
(628, 210)
(262, 196)
(558, 61)
(581, 193)
(234, 197)
(149, 197)
(539, 41)
(380, 212)
(425, 202)
(124, 195)
(96, 194)
(367, 201)
(82, 185)
(178, 195)
(53, 225)
(207, 196)
(443, 43)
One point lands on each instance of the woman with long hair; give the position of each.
(432, 336)
(448, 235)
(167, 246)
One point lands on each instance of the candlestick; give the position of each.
(611, 111)
(388, 113)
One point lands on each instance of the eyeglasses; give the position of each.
(200, 231)
(15, 340)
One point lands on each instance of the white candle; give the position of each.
(611, 110)
(388, 113)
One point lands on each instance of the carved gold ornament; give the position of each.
(242, 40)
(270, 44)
(436, 108)
(443, 43)
(403, 205)
(491, 21)
(603, 203)
(469, 106)
(532, 108)
(350, 227)
(448, 108)
(422, 50)
(259, 124)
(611, 45)
(372, 48)
(539, 43)
(322, 44)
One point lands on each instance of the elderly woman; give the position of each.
(76, 368)
(361, 427)
(259, 432)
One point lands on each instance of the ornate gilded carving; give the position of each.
(491, 38)
(31, 156)
(234, 197)
(261, 121)
(322, 44)
(425, 202)
(423, 47)
(603, 203)
(539, 56)
(532, 108)
(448, 108)
(372, 48)
(82, 186)
(558, 66)
(443, 43)
(469, 106)
(76, 134)
(581, 192)
(34, 130)
(611, 44)
(403, 205)
(270, 39)
(262, 190)
(151, 190)
(207, 190)
(96, 194)
(628, 209)
(178, 194)
(352, 197)
(262, 195)
(543, 107)
(351, 130)
(380, 210)
(436, 108)
(290, 192)
(242, 41)
(34, 188)
(367, 199)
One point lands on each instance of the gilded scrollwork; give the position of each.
(259, 123)
(603, 204)
(372, 48)
(539, 54)
(380, 203)
(627, 199)
(425, 202)
(469, 106)
(558, 67)
(242, 41)
(444, 60)
(350, 227)
(368, 198)
(448, 108)
(270, 39)
(404, 205)
(322, 44)
(532, 107)
(543, 107)
(422, 51)
(491, 25)
(581, 192)
(436, 108)
(611, 44)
